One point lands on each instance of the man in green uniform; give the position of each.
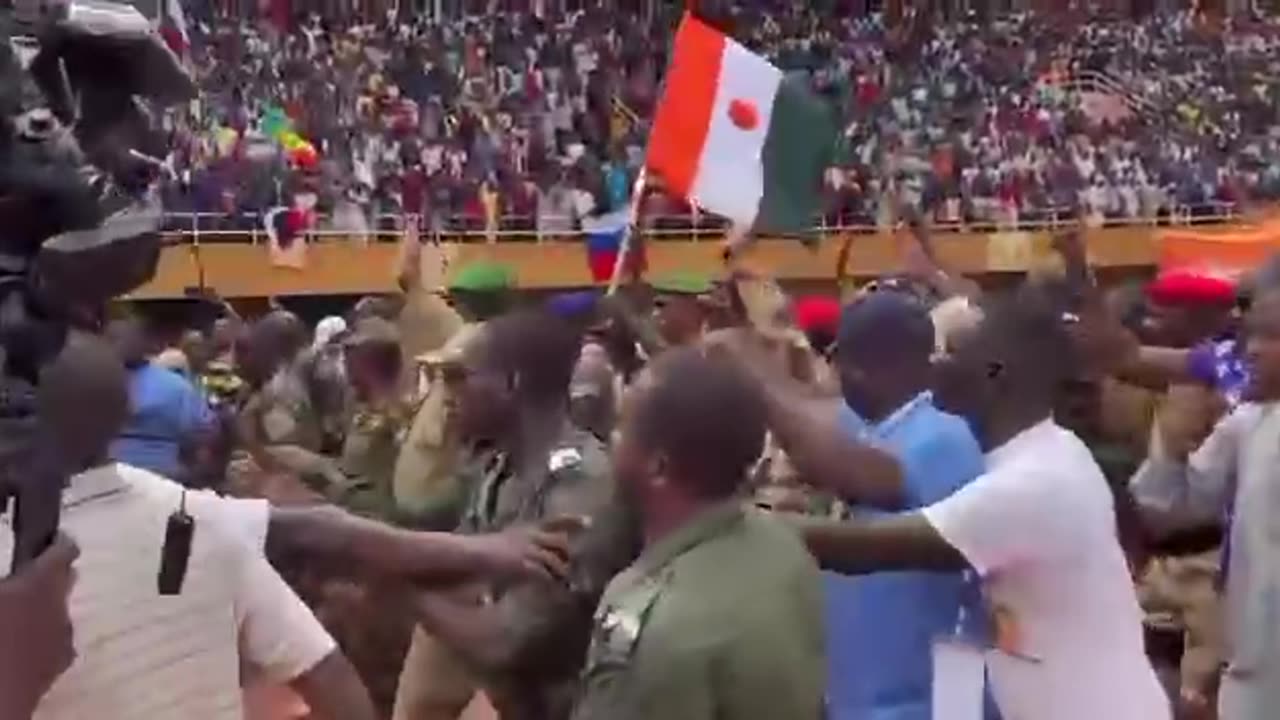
(379, 423)
(425, 483)
(681, 307)
(721, 615)
(280, 410)
(523, 644)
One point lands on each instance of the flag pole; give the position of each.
(633, 219)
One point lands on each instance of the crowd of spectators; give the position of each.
(518, 120)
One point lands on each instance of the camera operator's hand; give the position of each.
(36, 628)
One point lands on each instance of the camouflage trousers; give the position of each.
(1184, 592)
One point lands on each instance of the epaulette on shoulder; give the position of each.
(565, 458)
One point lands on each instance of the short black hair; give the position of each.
(1028, 331)
(538, 348)
(706, 416)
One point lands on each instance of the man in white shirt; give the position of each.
(1038, 526)
(1234, 474)
(141, 654)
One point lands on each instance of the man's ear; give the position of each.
(656, 470)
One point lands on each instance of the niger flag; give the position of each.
(737, 137)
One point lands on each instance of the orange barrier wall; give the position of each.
(337, 266)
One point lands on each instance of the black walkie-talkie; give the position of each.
(179, 531)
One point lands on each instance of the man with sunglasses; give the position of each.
(434, 327)
(523, 643)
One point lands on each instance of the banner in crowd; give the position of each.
(1232, 251)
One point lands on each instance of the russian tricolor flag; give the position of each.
(604, 242)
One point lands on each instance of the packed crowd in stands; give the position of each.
(519, 121)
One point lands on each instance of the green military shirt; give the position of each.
(720, 620)
(368, 460)
(550, 623)
(285, 412)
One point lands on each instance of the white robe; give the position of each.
(1240, 464)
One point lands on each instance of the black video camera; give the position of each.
(80, 81)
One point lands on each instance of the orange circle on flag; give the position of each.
(744, 114)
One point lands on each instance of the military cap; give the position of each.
(481, 277)
(682, 283)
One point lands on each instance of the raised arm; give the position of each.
(808, 428)
(1175, 492)
(823, 454)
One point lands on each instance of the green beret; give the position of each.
(483, 277)
(682, 283)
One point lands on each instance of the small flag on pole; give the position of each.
(736, 136)
(604, 242)
(173, 28)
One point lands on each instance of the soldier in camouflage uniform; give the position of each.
(524, 644)
(378, 423)
(279, 410)
(425, 484)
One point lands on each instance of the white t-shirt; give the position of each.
(143, 655)
(1039, 527)
(245, 519)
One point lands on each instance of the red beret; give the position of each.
(1191, 287)
(817, 313)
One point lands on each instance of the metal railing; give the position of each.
(678, 227)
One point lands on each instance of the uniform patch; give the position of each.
(619, 623)
(564, 459)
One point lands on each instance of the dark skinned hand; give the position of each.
(538, 552)
(1103, 344)
(34, 622)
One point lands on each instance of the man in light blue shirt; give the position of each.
(881, 627)
(167, 413)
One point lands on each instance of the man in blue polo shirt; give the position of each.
(882, 627)
(167, 414)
